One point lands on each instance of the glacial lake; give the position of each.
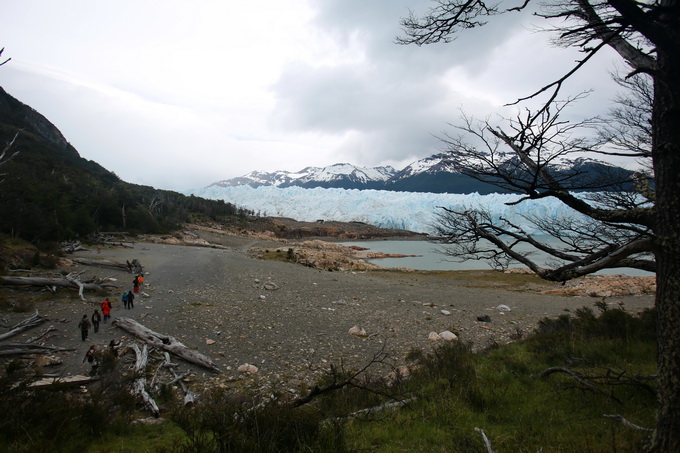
(427, 257)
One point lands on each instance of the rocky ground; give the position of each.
(291, 321)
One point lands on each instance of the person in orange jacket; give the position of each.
(106, 309)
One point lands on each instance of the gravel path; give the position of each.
(215, 300)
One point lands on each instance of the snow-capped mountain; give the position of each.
(343, 176)
(432, 174)
(436, 174)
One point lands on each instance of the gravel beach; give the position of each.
(288, 320)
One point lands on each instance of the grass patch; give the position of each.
(505, 392)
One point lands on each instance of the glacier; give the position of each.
(413, 211)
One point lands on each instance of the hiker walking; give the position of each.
(106, 309)
(113, 347)
(125, 299)
(92, 357)
(131, 300)
(96, 319)
(84, 325)
(135, 284)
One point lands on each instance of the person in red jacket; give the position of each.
(106, 309)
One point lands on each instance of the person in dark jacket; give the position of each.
(93, 358)
(131, 300)
(96, 319)
(84, 325)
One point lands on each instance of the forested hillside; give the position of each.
(48, 192)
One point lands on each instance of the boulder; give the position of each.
(434, 336)
(247, 368)
(447, 335)
(358, 332)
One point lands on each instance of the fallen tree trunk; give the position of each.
(25, 348)
(71, 247)
(46, 281)
(189, 396)
(63, 381)
(103, 263)
(28, 323)
(34, 339)
(165, 343)
(139, 385)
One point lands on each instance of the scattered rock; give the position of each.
(358, 332)
(445, 335)
(209, 341)
(445, 312)
(271, 286)
(485, 318)
(448, 335)
(247, 368)
(434, 336)
(503, 307)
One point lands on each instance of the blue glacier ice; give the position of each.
(402, 210)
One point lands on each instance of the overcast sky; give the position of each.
(180, 94)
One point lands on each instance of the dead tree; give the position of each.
(61, 282)
(189, 396)
(139, 385)
(72, 247)
(134, 267)
(7, 349)
(165, 343)
(645, 36)
(338, 382)
(28, 323)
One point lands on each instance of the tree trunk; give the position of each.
(44, 281)
(666, 155)
(7, 349)
(26, 324)
(104, 263)
(139, 385)
(165, 343)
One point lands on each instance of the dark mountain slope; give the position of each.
(49, 192)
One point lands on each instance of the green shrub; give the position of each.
(224, 422)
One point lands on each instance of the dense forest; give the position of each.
(48, 192)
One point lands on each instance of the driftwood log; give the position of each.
(28, 323)
(189, 396)
(26, 348)
(58, 282)
(165, 343)
(63, 381)
(134, 267)
(71, 247)
(139, 385)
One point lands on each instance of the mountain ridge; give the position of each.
(435, 173)
(438, 173)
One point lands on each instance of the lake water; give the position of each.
(428, 259)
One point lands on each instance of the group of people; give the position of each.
(93, 357)
(128, 299)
